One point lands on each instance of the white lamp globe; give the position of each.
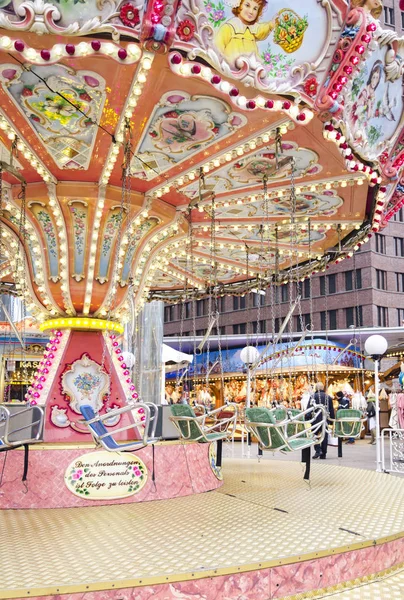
(249, 355)
(128, 359)
(376, 345)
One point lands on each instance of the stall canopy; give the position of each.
(310, 355)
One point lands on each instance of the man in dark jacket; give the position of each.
(320, 397)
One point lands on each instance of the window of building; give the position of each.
(302, 323)
(400, 282)
(240, 328)
(200, 332)
(358, 273)
(332, 319)
(284, 293)
(382, 316)
(200, 308)
(259, 327)
(380, 243)
(328, 285)
(168, 314)
(258, 299)
(277, 324)
(350, 316)
(188, 310)
(399, 246)
(381, 279)
(305, 289)
(400, 317)
(388, 16)
(239, 302)
(222, 304)
(399, 215)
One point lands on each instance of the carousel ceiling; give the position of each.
(190, 145)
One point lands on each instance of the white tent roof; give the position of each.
(172, 355)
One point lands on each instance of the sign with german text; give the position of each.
(106, 475)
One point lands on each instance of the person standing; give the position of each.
(320, 397)
(371, 414)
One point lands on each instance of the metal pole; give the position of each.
(378, 457)
(247, 400)
(247, 405)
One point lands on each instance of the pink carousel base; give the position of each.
(179, 470)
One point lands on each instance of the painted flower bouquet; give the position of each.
(289, 30)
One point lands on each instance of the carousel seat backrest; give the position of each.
(185, 419)
(98, 427)
(269, 437)
(351, 426)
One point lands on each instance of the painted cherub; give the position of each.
(239, 36)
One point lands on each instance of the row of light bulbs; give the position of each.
(105, 307)
(22, 146)
(131, 101)
(190, 69)
(45, 56)
(37, 258)
(275, 193)
(63, 249)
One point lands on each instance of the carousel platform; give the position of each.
(264, 534)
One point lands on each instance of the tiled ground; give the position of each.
(262, 513)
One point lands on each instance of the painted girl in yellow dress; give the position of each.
(239, 36)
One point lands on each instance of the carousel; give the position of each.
(176, 151)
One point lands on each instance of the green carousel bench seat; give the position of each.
(194, 428)
(279, 429)
(348, 423)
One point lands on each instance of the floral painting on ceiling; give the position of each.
(179, 127)
(273, 45)
(374, 105)
(63, 109)
(251, 170)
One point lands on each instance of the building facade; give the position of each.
(366, 290)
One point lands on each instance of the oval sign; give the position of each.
(106, 475)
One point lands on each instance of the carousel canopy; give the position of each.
(147, 152)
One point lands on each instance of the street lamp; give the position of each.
(376, 346)
(249, 355)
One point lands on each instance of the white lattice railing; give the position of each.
(393, 458)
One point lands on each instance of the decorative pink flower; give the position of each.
(129, 15)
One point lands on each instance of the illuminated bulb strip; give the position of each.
(188, 69)
(45, 375)
(128, 55)
(23, 147)
(132, 99)
(249, 146)
(115, 280)
(63, 250)
(81, 323)
(93, 248)
(284, 226)
(16, 249)
(331, 133)
(35, 245)
(319, 187)
(139, 80)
